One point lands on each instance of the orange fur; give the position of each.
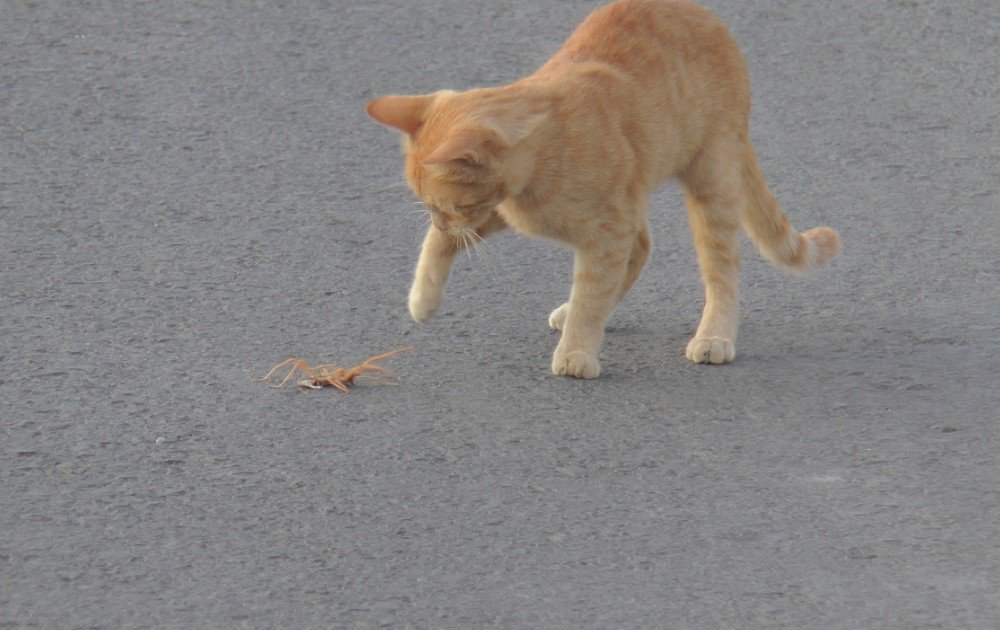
(644, 90)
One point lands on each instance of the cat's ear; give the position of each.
(511, 127)
(405, 113)
(467, 145)
(491, 135)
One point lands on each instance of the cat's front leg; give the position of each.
(434, 265)
(637, 260)
(597, 283)
(431, 274)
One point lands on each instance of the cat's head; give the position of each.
(459, 150)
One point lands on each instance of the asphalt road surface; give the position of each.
(191, 192)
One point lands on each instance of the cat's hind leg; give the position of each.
(713, 204)
(557, 318)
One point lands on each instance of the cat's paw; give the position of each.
(557, 319)
(423, 301)
(576, 363)
(711, 350)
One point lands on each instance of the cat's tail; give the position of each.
(771, 232)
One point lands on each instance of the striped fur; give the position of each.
(643, 91)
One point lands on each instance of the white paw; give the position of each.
(557, 319)
(575, 363)
(711, 350)
(423, 301)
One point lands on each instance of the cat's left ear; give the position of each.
(471, 146)
(512, 127)
(405, 113)
(491, 134)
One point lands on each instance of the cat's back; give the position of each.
(638, 35)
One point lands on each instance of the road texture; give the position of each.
(191, 192)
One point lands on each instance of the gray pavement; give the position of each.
(191, 192)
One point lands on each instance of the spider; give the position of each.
(329, 374)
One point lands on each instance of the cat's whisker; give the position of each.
(473, 245)
(423, 226)
(482, 256)
(475, 240)
(464, 235)
(486, 253)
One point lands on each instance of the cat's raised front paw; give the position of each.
(557, 319)
(575, 363)
(423, 302)
(711, 350)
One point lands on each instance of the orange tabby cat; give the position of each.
(643, 90)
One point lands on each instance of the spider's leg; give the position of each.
(388, 354)
(298, 365)
(275, 369)
(339, 385)
(365, 367)
(375, 379)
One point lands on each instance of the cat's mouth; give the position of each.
(453, 224)
(443, 224)
(457, 232)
